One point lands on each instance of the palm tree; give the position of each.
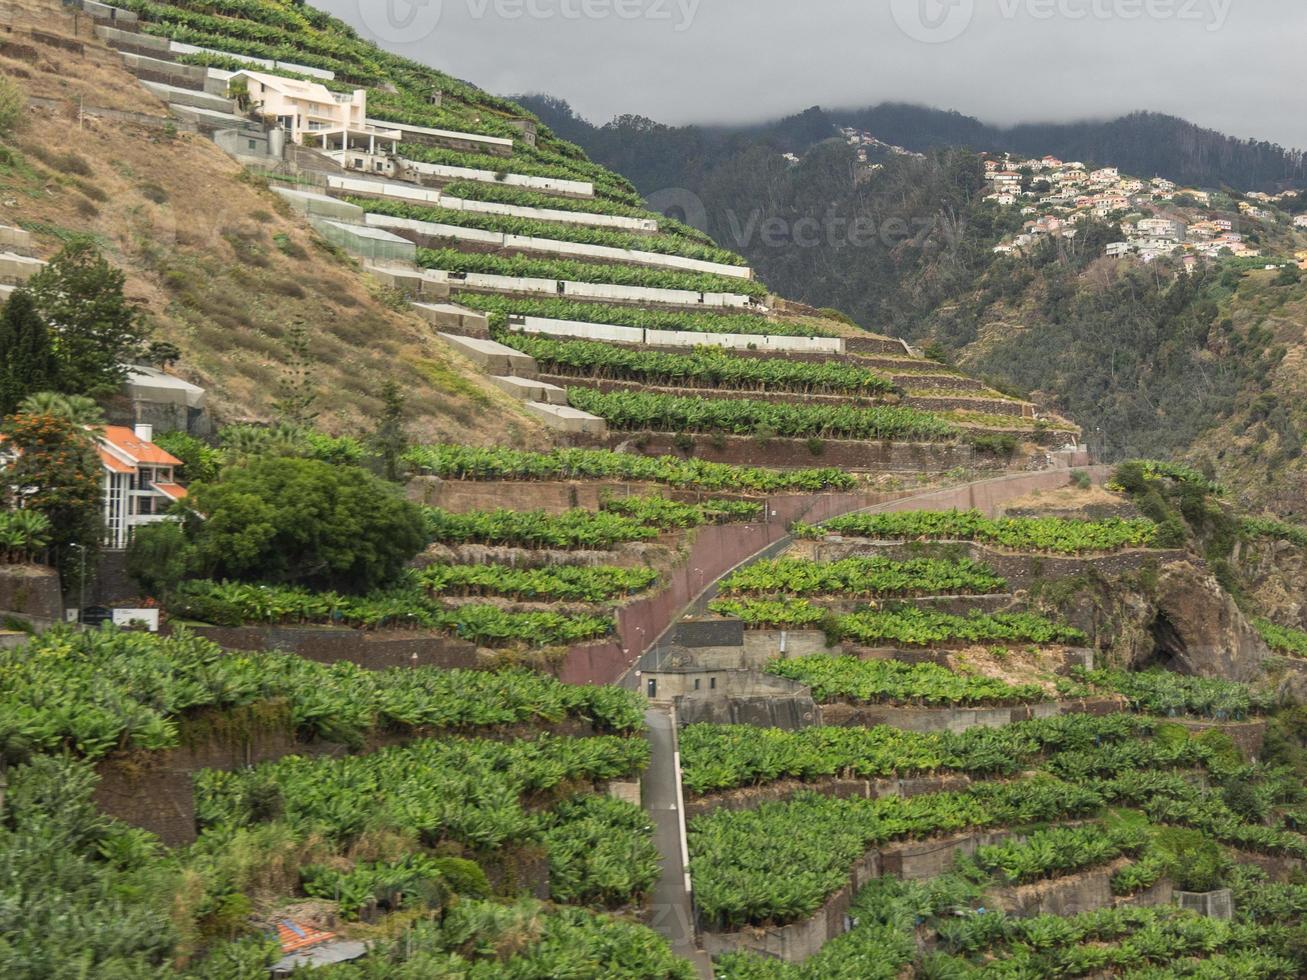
(77, 409)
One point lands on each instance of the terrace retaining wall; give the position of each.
(874, 457)
(1020, 571)
(799, 941)
(156, 790)
(371, 650)
(712, 552)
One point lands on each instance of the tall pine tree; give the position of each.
(27, 361)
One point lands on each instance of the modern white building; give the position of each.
(139, 481)
(313, 115)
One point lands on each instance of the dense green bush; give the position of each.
(303, 521)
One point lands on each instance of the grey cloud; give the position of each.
(1233, 65)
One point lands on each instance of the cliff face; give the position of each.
(1176, 616)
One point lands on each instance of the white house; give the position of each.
(139, 483)
(1162, 228)
(1118, 249)
(313, 115)
(1300, 221)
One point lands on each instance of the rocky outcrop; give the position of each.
(1276, 576)
(1175, 615)
(1199, 629)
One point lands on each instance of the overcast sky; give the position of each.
(1239, 66)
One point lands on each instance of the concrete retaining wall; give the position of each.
(428, 233)
(439, 174)
(675, 338)
(584, 291)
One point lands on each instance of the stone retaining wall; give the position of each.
(31, 592)
(156, 792)
(373, 651)
(1020, 571)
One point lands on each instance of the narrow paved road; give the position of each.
(673, 916)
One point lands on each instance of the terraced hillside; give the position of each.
(909, 717)
(687, 550)
(606, 323)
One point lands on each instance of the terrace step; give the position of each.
(422, 232)
(15, 240)
(437, 174)
(16, 269)
(529, 390)
(207, 121)
(176, 96)
(319, 205)
(454, 319)
(681, 299)
(381, 188)
(179, 48)
(132, 41)
(673, 338)
(567, 419)
(168, 72)
(426, 136)
(584, 218)
(103, 13)
(490, 356)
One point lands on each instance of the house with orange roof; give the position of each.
(139, 483)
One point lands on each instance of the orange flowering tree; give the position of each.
(56, 473)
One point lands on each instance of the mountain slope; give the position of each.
(218, 262)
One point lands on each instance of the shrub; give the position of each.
(303, 521)
(12, 102)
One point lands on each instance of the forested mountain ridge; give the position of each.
(655, 156)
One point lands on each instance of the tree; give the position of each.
(297, 389)
(286, 520)
(97, 332)
(77, 409)
(390, 439)
(12, 103)
(158, 558)
(161, 354)
(57, 473)
(27, 361)
(201, 463)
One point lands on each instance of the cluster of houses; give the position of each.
(1056, 196)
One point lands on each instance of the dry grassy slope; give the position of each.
(1246, 452)
(223, 268)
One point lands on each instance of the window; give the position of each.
(712, 683)
(253, 144)
(696, 683)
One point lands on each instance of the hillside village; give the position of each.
(724, 637)
(1157, 217)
